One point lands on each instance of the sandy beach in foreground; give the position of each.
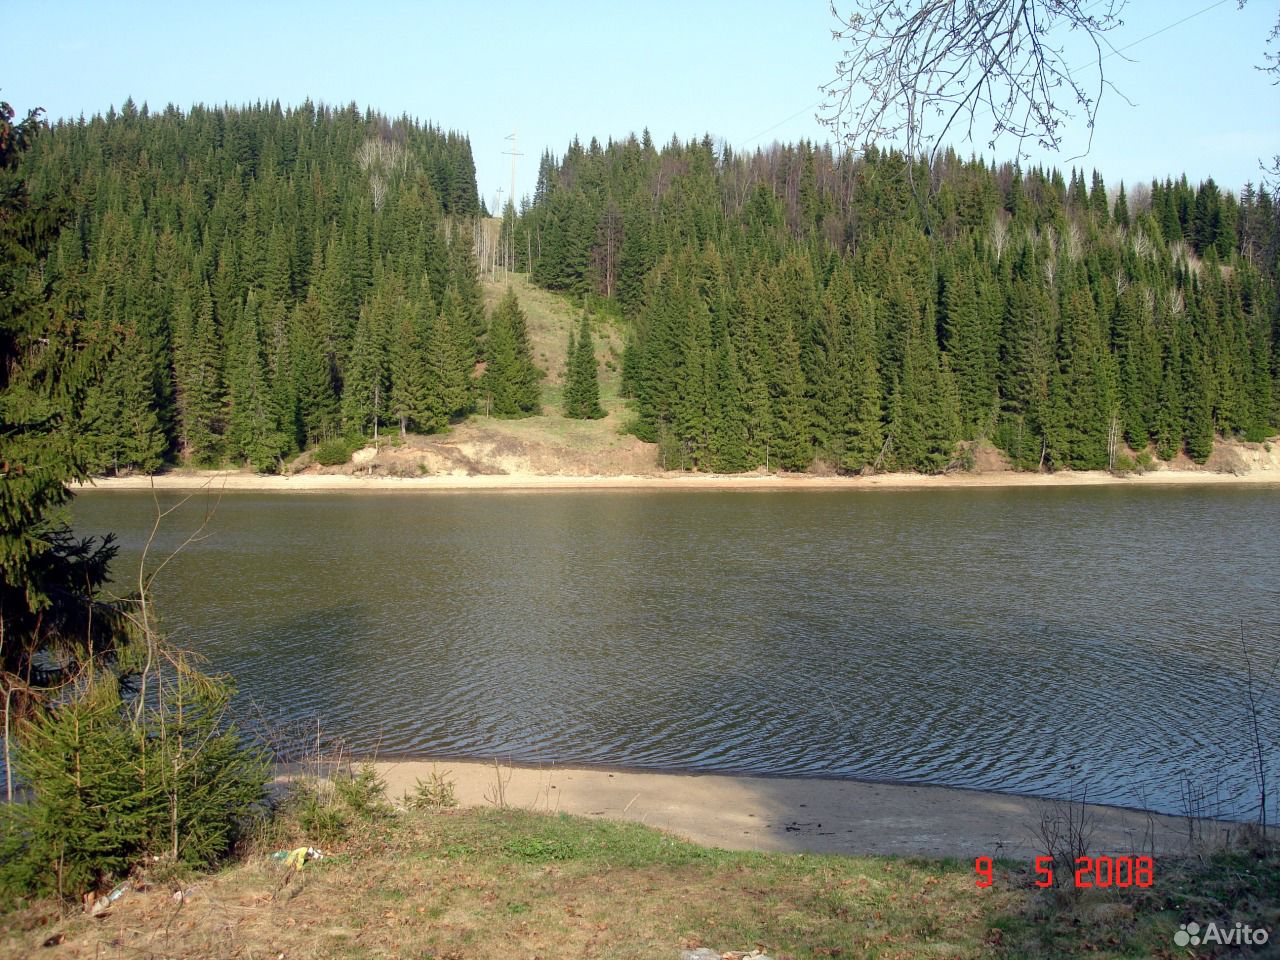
(793, 814)
(306, 482)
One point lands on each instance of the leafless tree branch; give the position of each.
(915, 72)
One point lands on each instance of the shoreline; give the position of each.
(796, 814)
(233, 480)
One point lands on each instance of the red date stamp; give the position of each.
(1090, 872)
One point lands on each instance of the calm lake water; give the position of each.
(1045, 642)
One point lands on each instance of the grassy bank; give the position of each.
(493, 882)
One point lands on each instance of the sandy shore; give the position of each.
(301, 483)
(793, 814)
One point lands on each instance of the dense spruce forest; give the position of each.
(248, 282)
(793, 305)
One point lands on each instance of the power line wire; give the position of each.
(1177, 23)
(781, 122)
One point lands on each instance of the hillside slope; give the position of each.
(548, 444)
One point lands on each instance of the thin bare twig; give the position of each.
(919, 69)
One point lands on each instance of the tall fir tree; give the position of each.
(693, 413)
(1084, 406)
(52, 616)
(121, 427)
(925, 420)
(970, 345)
(200, 384)
(318, 411)
(254, 433)
(582, 382)
(366, 375)
(730, 450)
(509, 384)
(410, 400)
(452, 350)
(861, 429)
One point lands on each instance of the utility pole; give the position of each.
(512, 153)
(497, 202)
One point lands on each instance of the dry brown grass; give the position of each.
(490, 883)
(550, 317)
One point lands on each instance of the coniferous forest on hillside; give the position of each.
(249, 282)
(252, 281)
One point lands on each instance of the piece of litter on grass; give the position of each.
(298, 856)
(102, 903)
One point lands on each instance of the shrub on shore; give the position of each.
(337, 450)
(115, 783)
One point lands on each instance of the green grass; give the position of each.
(501, 883)
(550, 318)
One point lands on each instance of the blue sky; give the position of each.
(744, 71)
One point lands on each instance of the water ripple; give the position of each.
(1049, 642)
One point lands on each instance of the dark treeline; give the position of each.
(792, 305)
(249, 281)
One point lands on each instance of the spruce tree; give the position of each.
(924, 421)
(778, 358)
(582, 384)
(1082, 391)
(410, 402)
(829, 363)
(318, 411)
(200, 385)
(253, 426)
(51, 616)
(278, 276)
(862, 432)
(693, 409)
(970, 344)
(1120, 213)
(1138, 365)
(101, 417)
(467, 317)
(88, 817)
(1029, 345)
(1197, 429)
(791, 411)
(365, 375)
(143, 442)
(509, 385)
(1098, 200)
(1167, 426)
(281, 379)
(655, 353)
(729, 447)
(569, 388)
(451, 356)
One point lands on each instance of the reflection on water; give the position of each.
(1035, 641)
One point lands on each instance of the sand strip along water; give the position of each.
(306, 482)
(800, 814)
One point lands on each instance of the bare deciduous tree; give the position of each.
(999, 233)
(381, 158)
(917, 71)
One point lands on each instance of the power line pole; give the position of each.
(512, 153)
